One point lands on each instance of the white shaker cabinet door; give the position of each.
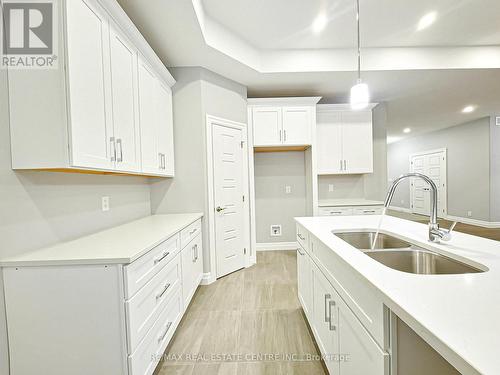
(329, 142)
(165, 130)
(360, 354)
(297, 125)
(125, 103)
(267, 126)
(357, 141)
(148, 114)
(88, 85)
(304, 280)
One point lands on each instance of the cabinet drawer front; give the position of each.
(138, 273)
(192, 268)
(145, 306)
(361, 298)
(303, 237)
(149, 352)
(187, 234)
(335, 211)
(375, 210)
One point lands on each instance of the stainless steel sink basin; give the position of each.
(404, 256)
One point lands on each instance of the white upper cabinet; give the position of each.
(297, 125)
(91, 125)
(345, 140)
(267, 126)
(282, 122)
(93, 112)
(125, 103)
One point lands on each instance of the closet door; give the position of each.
(148, 113)
(165, 129)
(91, 135)
(297, 123)
(267, 126)
(125, 105)
(329, 142)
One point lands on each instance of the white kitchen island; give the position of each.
(349, 298)
(107, 303)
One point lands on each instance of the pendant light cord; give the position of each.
(359, 42)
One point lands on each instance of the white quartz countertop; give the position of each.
(122, 244)
(458, 315)
(348, 202)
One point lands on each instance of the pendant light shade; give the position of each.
(360, 94)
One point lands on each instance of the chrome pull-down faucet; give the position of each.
(435, 233)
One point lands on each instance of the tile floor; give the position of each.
(250, 313)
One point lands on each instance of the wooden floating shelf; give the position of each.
(280, 148)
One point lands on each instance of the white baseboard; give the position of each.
(207, 279)
(479, 223)
(463, 220)
(273, 246)
(400, 209)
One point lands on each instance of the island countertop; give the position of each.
(458, 315)
(118, 245)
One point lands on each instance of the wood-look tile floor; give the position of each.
(249, 322)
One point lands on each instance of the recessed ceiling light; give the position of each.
(319, 23)
(469, 109)
(426, 21)
(406, 130)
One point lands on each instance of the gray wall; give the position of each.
(494, 170)
(42, 208)
(198, 92)
(273, 171)
(468, 148)
(369, 186)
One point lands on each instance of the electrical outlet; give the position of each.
(105, 204)
(288, 189)
(330, 188)
(469, 213)
(275, 230)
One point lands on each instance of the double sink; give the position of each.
(404, 256)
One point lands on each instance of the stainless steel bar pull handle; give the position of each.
(163, 256)
(327, 315)
(119, 143)
(164, 290)
(162, 336)
(280, 135)
(112, 145)
(284, 135)
(300, 252)
(331, 326)
(341, 165)
(301, 237)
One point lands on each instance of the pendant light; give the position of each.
(360, 95)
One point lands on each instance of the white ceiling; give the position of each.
(286, 24)
(418, 98)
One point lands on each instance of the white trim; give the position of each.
(272, 246)
(207, 279)
(306, 101)
(251, 188)
(341, 107)
(210, 122)
(445, 150)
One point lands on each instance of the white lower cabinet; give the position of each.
(192, 268)
(346, 345)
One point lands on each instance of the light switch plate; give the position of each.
(330, 188)
(288, 189)
(497, 120)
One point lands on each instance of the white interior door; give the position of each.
(125, 105)
(433, 165)
(228, 169)
(297, 125)
(329, 142)
(267, 126)
(88, 67)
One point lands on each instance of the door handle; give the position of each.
(219, 209)
(327, 316)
